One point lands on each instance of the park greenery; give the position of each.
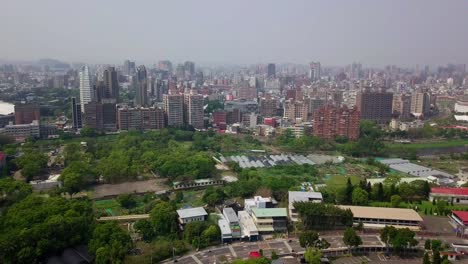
(35, 227)
(109, 243)
(132, 155)
(31, 164)
(320, 216)
(38, 225)
(351, 239)
(401, 240)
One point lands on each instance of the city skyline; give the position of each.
(209, 32)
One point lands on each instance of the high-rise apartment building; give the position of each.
(160, 88)
(331, 121)
(271, 70)
(102, 115)
(402, 106)
(189, 68)
(194, 112)
(111, 83)
(165, 65)
(219, 118)
(174, 109)
(314, 104)
(93, 116)
(27, 113)
(141, 87)
(233, 116)
(268, 107)
(294, 110)
(86, 90)
(314, 71)
(140, 118)
(99, 91)
(375, 106)
(109, 114)
(76, 114)
(129, 67)
(420, 103)
(180, 71)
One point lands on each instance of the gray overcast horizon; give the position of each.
(334, 32)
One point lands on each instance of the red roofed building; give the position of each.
(254, 254)
(459, 220)
(455, 195)
(2, 160)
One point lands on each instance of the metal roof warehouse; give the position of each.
(379, 217)
(407, 167)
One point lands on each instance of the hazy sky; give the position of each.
(376, 32)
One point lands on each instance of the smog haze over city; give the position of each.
(233, 132)
(336, 32)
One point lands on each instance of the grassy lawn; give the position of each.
(426, 145)
(192, 198)
(108, 207)
(340, 180)
(111, 207)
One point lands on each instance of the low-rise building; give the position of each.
(23, 131)
(226, 233)
(459, 220)
(51, 182)
(248, 228)
(189, 215)
(233, 221)
(259, 202)
(406, 126)
(270, 220)
(455, 195)
(199, 183)
(412, 169)
(293, 197)
(379, 217)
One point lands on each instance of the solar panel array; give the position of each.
(407, 167)
(268, 160)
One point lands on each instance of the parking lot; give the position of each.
(228, 253)
(377, 258)
(367, 240)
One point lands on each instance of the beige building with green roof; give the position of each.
(270, 220)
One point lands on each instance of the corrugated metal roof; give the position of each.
(191, 212)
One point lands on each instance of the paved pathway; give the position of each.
(241, 250)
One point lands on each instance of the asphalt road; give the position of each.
(241, 250)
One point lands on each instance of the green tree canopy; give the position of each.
(126, 200)
(360, 197)
(163, 217)
(109, 243)
(351, 239)
(12, 191)
(31, 163)
(308, 238)
(316, 216)
(313, 255)
(37, 226)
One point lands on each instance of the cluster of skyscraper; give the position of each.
(157, 103)
(316, 101)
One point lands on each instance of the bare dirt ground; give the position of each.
(109, 190)
(438, 224)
